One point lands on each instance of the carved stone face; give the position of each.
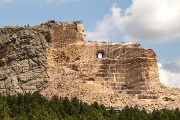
(80, 29)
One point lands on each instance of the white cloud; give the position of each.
(169, 73)
(106, 28)
(152, 20)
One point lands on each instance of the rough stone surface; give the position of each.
(53, 58)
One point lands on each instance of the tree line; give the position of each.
(37, 107)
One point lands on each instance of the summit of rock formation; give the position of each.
(54, 59)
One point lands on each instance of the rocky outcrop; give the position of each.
(54, 59)
(22, 60)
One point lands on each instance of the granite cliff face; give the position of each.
(54, 59)
(22, 60)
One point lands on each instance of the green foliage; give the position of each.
(36, 107)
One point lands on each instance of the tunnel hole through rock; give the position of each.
(100, 54)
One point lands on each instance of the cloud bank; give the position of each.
(169, 73)
(106, 28)
(152, 20)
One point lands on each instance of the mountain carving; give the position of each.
(54, 59)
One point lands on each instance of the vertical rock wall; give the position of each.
(22, 60)
(123, 66)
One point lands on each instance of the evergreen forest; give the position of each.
(36, 107)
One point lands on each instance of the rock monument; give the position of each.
(54, 59)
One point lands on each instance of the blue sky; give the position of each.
(154, 23)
